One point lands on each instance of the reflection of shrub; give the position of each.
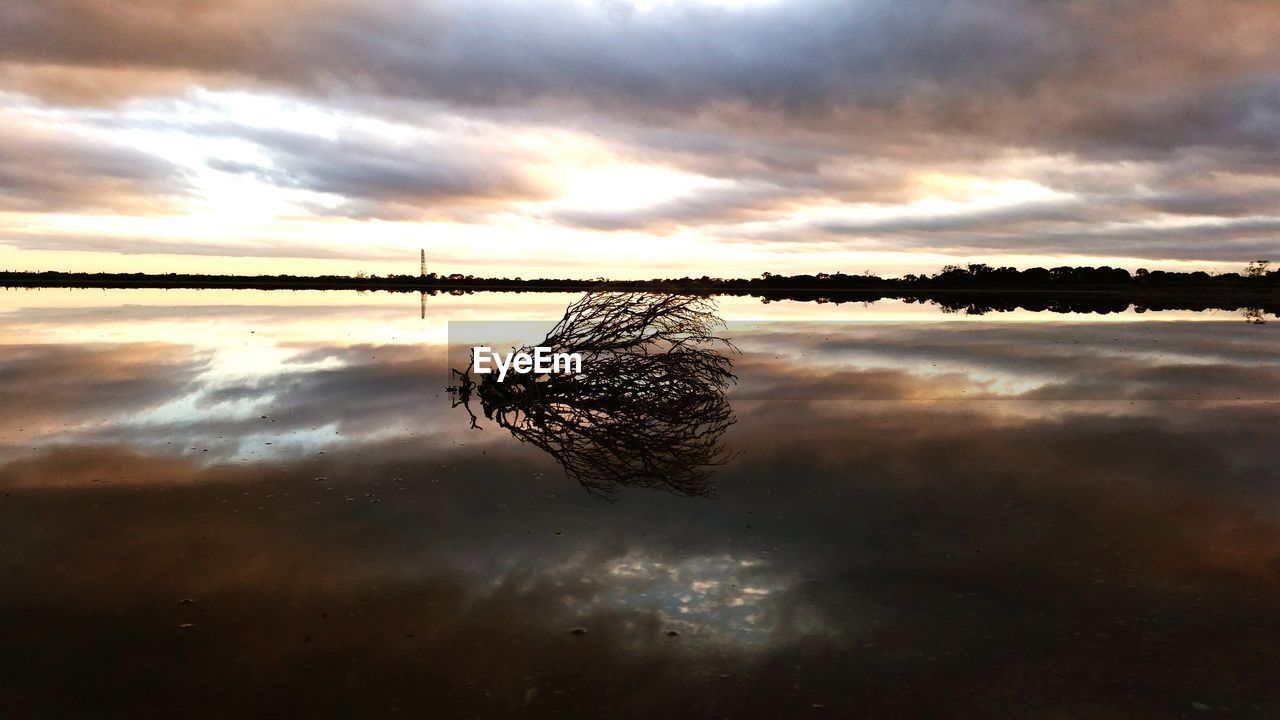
(649, 408)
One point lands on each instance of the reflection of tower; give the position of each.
(422, 295)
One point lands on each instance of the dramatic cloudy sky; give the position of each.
(632, 138)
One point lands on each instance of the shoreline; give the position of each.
(1260, 295)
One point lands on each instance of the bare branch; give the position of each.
(649, 408)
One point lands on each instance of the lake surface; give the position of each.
(262, 504)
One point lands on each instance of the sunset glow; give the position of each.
(579, 138)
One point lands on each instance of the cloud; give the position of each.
(239, 247)
(848, 539)
(733, 204)
(373, 176)
(47, 168)
(1147, 75)
(56, 389)
(1143, 113)
(1168, 362)
(1170, 225)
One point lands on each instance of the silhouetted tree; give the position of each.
(648, 408)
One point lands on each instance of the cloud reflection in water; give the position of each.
(979, 519)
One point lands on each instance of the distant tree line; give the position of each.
(971, 288)
(973, 275)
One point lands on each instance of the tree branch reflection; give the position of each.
(649, 408)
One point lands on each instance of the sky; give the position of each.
(637, 138)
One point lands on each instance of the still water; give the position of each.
(263, 504)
